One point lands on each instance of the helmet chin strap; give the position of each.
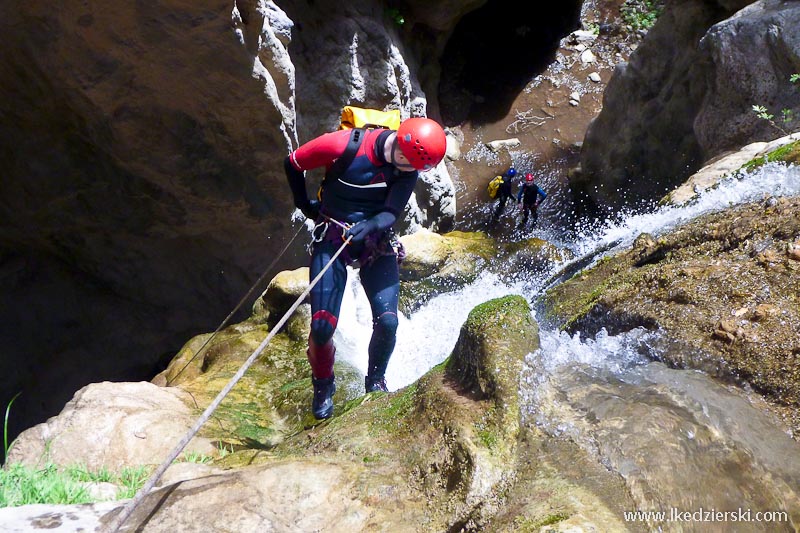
(392, 147)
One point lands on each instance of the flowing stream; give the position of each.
(683, 442)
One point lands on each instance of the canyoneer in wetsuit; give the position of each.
(530, 196)
(504, 193)
(362, 201)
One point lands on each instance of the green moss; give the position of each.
(488, 438)
(788, 153)
(509, 307)
(246, 421)
(524, 524)
(641, 14)
(473, 242)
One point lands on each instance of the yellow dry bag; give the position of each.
(358, 117)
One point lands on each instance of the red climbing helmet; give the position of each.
(422, 141)
(528, 178)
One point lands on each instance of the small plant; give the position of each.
(22, 485)
(641, 14)
(194, 457)
(787, 115)
(81, 473)
(396, 16)
(132, 479)
(5, 426)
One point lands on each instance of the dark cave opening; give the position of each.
(495, 51)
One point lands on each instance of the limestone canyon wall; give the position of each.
(142, 189)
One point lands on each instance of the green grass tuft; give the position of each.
(25, 485)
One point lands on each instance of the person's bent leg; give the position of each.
(381, 281)
(326, 300)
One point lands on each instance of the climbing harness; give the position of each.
(241, 302)
(320, 231)
(361, 254)
(117, 522)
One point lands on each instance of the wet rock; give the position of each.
(726, 165)
(721, 286)
(692, 83)
(793, 251)
(112, 425)
(436, 264)
(503, 144)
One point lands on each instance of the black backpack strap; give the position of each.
(343, 162)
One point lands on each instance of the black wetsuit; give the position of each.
(370, 189)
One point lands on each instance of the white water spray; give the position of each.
(428, 336)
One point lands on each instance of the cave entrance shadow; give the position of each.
(495, 51)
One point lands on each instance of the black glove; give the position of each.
(311, 209)
(380, 222)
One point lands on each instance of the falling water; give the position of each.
(679, 439)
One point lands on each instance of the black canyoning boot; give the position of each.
(322, 403)
(375, 384)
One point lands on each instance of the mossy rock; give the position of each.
(271, 401)
(279, 296)
(528, 257)
(723, 288)
(437, 264)
(788, 153)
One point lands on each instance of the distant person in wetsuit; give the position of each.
(504, 193)
(366, 198)
(530, 196)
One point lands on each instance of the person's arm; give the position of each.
(297, 184)
(318, 152)
(519, 194)
(540, 196)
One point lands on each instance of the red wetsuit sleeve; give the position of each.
(319, 152)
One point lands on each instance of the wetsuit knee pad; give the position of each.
(387, 323)
(323, 324)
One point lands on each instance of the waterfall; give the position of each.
(681, 441)
(428, 336)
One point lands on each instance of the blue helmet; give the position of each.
(511, 172)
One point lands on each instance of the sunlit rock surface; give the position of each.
(143, 188)
(686, 96)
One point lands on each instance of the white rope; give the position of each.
(120, 519)
(241, 302)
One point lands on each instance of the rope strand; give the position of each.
(120, 519)
(244, 298)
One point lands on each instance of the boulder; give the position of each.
(722, 288)
(279, 296)
(440, 263)
(503, 144)
(686, 97)
(111, 426)
(749, 59)
(725, 165)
